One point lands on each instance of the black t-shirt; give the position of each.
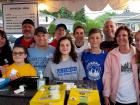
(108, 45)
(5, 57)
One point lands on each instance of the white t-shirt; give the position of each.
(82, 48)
(126, 91)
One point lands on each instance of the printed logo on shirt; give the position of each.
(67, 71)
(94, 71)
(127, 67)
(40, 62)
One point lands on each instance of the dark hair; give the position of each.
(57, 53)
(28, 21)
(77, 28)
(6, 52)
(40, 29)
(61, 25)
(137, 56)
(137, 51)
(94, 30)
(25, 51)
(130, 35)
(3, 35)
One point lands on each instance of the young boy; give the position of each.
(93, 60)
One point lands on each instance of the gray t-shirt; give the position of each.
(65, 70)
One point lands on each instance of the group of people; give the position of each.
(113, 64)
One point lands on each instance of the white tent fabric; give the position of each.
(75, 5)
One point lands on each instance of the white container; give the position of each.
(40, 81)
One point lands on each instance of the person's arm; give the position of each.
(107, 78)
(6, 72)
(48, 71)
(8, 75)
(14, 76)
(82, 74)
(107, 102)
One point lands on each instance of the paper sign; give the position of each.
(14, 14)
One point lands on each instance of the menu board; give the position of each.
(14, 14)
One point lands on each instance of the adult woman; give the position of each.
(5, 50)
(65, 64)
(120, 75)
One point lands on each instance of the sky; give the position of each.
(94, 14)
(132, 6)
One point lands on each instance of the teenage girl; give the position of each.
(65, 64)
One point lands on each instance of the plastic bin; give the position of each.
(83, 96)
(49, 95)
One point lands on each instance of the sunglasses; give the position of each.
(18, 53)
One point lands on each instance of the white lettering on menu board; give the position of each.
(14, 14)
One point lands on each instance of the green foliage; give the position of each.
(81, 19)
(62, 13)
(51, 29)
(91, 24)
(98, 22)
(79, 23)
(101, 19)
(80, 16)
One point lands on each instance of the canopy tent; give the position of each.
(75, 5)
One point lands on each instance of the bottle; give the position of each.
(40, 81)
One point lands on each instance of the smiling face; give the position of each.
(41, 39)
(65, 47)
(79, 35)
(95, 39)
(137, 39)
(109, 29)
(28, 30)
(60, 32)
(19, 55)
(122, 38)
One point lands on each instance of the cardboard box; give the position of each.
(49, 95)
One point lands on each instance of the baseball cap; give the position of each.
(28, 21)
(61, 25)
(40, 29)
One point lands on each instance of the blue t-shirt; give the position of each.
(39, 57)
(94, 67)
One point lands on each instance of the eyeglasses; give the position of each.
(18, 53)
